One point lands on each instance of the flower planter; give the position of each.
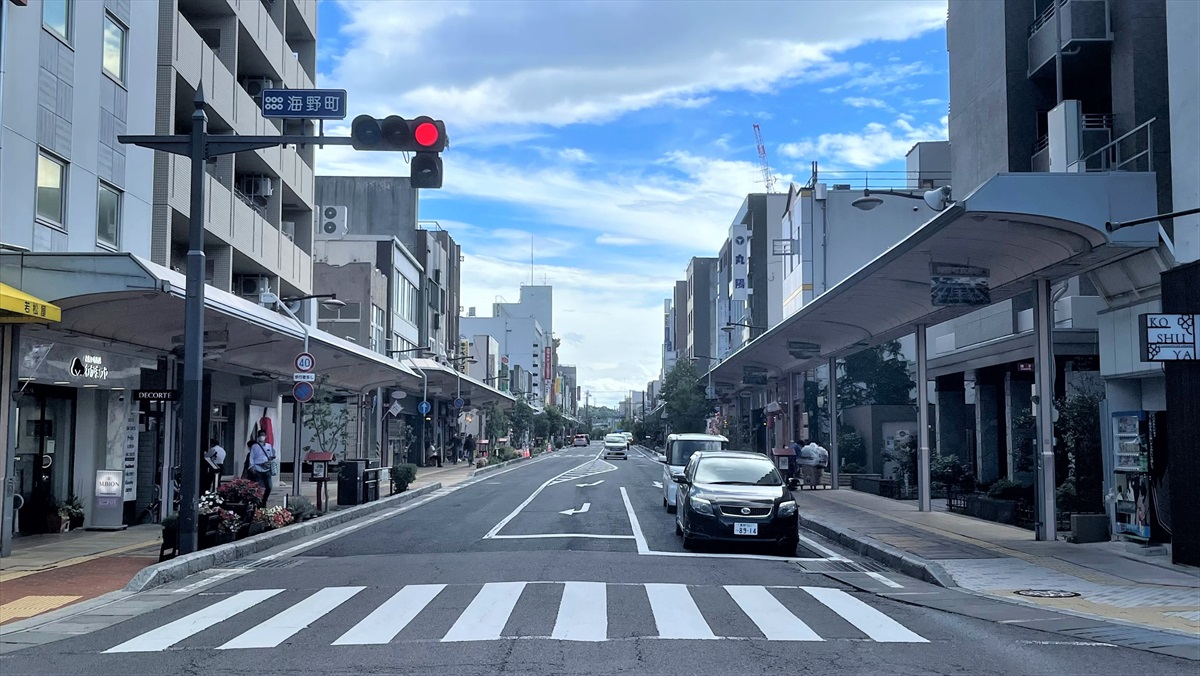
(991, 509)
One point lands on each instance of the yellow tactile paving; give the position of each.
(32, 605)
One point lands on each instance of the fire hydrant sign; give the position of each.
(1168, 337)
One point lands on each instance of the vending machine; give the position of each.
(1139, 465)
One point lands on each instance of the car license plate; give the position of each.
(745, 529)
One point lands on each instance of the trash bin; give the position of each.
(371, 482)
(350, 482)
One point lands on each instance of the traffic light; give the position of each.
(423, 136)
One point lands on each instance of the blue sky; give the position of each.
(617, 136)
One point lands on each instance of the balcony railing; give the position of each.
(1080, 21)
(1132, 151)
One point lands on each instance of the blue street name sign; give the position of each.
(458, 403)
(424, 407)
(304, 104)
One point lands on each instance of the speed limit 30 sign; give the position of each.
(305, 362)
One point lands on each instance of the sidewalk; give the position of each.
(997, 560)
(47, 572)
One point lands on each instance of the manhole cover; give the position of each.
(1047, 593)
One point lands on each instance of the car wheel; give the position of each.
(689, 543)
(678, 530)
(671, 509)
(787, 549)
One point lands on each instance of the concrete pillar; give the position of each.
(1046, 525)
(951, 415)
(987, 427)
(833, 424)
(10, 338)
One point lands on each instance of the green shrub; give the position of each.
(403, 475)
(852, 468)
(1005, 489)
(302, 508)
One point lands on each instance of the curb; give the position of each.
(896, 559)
(189, 564)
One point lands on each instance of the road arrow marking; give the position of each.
(596, 483)
(658, 484)
(586, 506)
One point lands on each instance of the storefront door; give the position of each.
(45, 454)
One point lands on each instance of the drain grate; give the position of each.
(831, 566)
(1047, 593)
(274, 563)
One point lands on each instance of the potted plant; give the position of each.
(402, 475)
(228, 526)
(72, 511)
(54, 519)
(240, 496)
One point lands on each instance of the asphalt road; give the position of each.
(562, 565)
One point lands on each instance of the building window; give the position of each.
(108, 217)
(51, 182)
(114, 48)
(56, 15)
(377, 326)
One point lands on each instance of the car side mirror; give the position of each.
(793, 484)
(679, 479)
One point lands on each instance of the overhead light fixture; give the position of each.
(866, 202)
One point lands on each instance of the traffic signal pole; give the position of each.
(200, 147)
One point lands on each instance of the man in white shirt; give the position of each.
(215, 457)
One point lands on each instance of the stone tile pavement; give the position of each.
(997, 560)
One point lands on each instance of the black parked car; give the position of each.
(734, 496)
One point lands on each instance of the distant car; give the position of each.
(581, 440)
(735, 496)
(628, 439)
(615, 446)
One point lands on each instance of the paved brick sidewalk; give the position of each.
(997, 560)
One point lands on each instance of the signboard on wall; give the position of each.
(1168, 337)
(739, 262)
(952, 284)
(129, 465)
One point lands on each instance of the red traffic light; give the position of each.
(427, 134)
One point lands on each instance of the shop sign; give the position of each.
(89, 366)
(156, 395)
(959, 285)
(131, 453)
(739, 253)
(1168, 337)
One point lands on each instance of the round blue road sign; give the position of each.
(424, 407)
(458, 403)
(303, 392)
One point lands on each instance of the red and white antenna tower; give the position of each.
(767, 177)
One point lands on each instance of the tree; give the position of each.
(521, 421)
(877, 375)
(496, 423)
(327, 419)
(686, 407)
(554, 421)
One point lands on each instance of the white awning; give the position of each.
(121, 298)
(1018, 226)
(448, 383)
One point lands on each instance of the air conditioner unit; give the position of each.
(256, 185)
(288, 228)
(253, 286)
(256, 85)
(333, 223)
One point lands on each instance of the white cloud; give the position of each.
(521, 63)
(863, 102)
(574, 155)
(877, 145)
(619, 240)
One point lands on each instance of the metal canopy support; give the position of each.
(924, 494)
(833, 424)
(1043, 326)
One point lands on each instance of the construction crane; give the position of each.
(767, 177)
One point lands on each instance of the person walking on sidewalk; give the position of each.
(215, 463)
(469, 447)
(261, 457)
(455, 448)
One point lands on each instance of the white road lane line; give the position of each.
(389, 619)
(638, 536)
(541, 536)
(885, 580)
(675, 612)
(290, 622)
(485, 618)
(817, 547)
(776, 622)
(866, 619)
(506, 520)
(582, 613)
(173, 632)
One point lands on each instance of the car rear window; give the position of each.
(681, 450)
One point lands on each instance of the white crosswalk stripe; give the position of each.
(582, 614)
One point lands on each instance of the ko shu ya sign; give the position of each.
(1168, 337)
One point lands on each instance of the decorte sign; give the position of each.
(89, 366)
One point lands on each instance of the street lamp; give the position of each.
(937, 199)
(729, 326)
(696, 357)
(330, 302)
(427, 351)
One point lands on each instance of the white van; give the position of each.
(678, 452)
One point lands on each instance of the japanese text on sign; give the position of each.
(307, 104)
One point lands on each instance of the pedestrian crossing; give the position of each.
(580, 611)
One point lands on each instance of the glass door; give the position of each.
(44, 455)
